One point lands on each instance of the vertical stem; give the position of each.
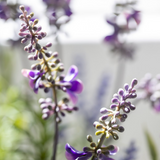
(55, 139)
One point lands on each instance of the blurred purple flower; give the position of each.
(76, 85)
(72, 154)
(122, 23)
(4, 10)
(131, 152)
(150, 89)
(34, 77)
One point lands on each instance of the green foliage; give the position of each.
(151, 146)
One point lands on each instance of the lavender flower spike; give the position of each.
(76, 85)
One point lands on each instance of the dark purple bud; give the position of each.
(124, 116)
(41, 85)
(120, 129)
(40, 56)
(112, 106)
(47, 54)
(24, 40)
(126, 86)
(48, 44)
(52, 65)
(28, 36)
(133, 95)
(103, 118)
(30, 47)
(134, 82)
(46, 90)
(103, 110)
(121, 92)
(34, 66)
(39, 28)
(39, 37)
(35, 28)
(57, 61)
(35, 57)
(132, 107)
(55, 54)
(114, 100)
(33, 50)
(43, 34)
(39, 67)
(75, 108)
(62, 113)
(45, 48)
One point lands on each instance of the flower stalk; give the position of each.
(46, 74)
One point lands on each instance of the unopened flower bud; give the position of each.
(35, 21)
(21, 8)
(89, 138)
(93, 145)
(49, 44)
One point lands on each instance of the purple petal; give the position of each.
(33, 74)
(72, 73)
(36, 86)
(111, 38)
(72, 153)
(25, 72)
(72, 96)
(76, 87)
(31, 83)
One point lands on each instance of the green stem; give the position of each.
(55, 139)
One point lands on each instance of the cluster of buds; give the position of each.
(48, 108)
(59, 12)
(149, 88)
(45, 73)
(119, 109)
(125, 20)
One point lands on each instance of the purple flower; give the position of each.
(60, 4)
(76, 85)
(4, 10)
(72, 154)
(34, 77)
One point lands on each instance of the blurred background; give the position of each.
(23, 133)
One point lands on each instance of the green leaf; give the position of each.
(151, 146)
